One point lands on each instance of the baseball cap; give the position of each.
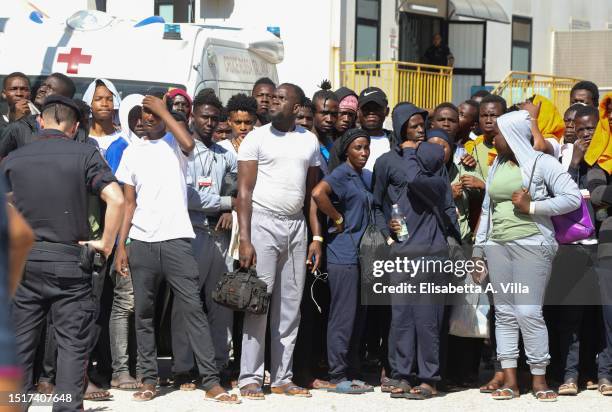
(373, 94)
(65, 101)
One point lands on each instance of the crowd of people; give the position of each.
(139, 204)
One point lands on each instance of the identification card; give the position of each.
(204, 181)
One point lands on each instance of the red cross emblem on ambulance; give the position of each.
(73, 59)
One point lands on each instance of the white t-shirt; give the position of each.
(104, 142)
(157, 170)
(227, 145)
(379, 145)
(283, 160)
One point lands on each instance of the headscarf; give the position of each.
(127, 104)
(600, 148)
(550, 121)
(438, 133)
(91, 89)
(349, 103)
(176, 92)
(337, 154)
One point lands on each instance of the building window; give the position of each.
(521, 44)
(175, 11)
(367, 30)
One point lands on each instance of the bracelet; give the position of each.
(339, 220)
(532, 208)
(317, 239)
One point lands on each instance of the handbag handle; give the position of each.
(533, 171)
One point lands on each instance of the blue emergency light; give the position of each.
(172, 32)
(36, 17)
(275, 30)
(150, 20)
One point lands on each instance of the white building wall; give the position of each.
(132, 9)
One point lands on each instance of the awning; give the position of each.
(479, 9)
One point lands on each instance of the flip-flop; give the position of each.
(233, 399)
(539, 397)
(605, 387)
(569, 388)
(140, 395)
(498, 394)
(421, 393)
(348, 388)
(387, 385)
(366, 387)
(404, 387)
(291, 390)
(89, 396)
(245, 394)
(125, 383)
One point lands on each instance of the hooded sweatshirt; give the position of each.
(115, 150)
(407, 176)
(552, 190)
(103, 142)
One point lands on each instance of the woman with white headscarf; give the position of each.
(524, 189)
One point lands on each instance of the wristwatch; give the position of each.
(317, 239)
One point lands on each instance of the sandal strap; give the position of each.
(544, 392)
(500, 390)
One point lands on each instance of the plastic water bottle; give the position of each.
(396, 215)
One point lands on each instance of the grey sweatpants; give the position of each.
(523, 262)
(210, 250)
(280, 244)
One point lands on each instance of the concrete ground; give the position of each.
(469, 400)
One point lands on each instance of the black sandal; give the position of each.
(401, 389)
(420, 393)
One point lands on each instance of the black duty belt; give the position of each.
(42, 246)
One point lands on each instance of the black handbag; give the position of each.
(242, 291)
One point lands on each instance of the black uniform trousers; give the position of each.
(62, 288)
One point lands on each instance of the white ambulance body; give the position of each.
(149, 58)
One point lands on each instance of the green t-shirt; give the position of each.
(482, 158)
(463, 203)
(508, 223)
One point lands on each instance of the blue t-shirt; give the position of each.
(115, 152)
(353, 200)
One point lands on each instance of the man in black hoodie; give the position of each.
(410, 175)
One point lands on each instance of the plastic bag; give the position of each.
(469, 315)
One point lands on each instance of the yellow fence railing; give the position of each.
(424, 85)
(519, 86)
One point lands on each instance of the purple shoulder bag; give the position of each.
(573, 226)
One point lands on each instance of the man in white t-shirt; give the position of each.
(373, 109)
(278, 165)
(157, 222)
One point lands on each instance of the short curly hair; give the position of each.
(205, 97)
(242, 103)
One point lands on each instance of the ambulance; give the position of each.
(145, 57)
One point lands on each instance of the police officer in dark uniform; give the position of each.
(51, 180)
